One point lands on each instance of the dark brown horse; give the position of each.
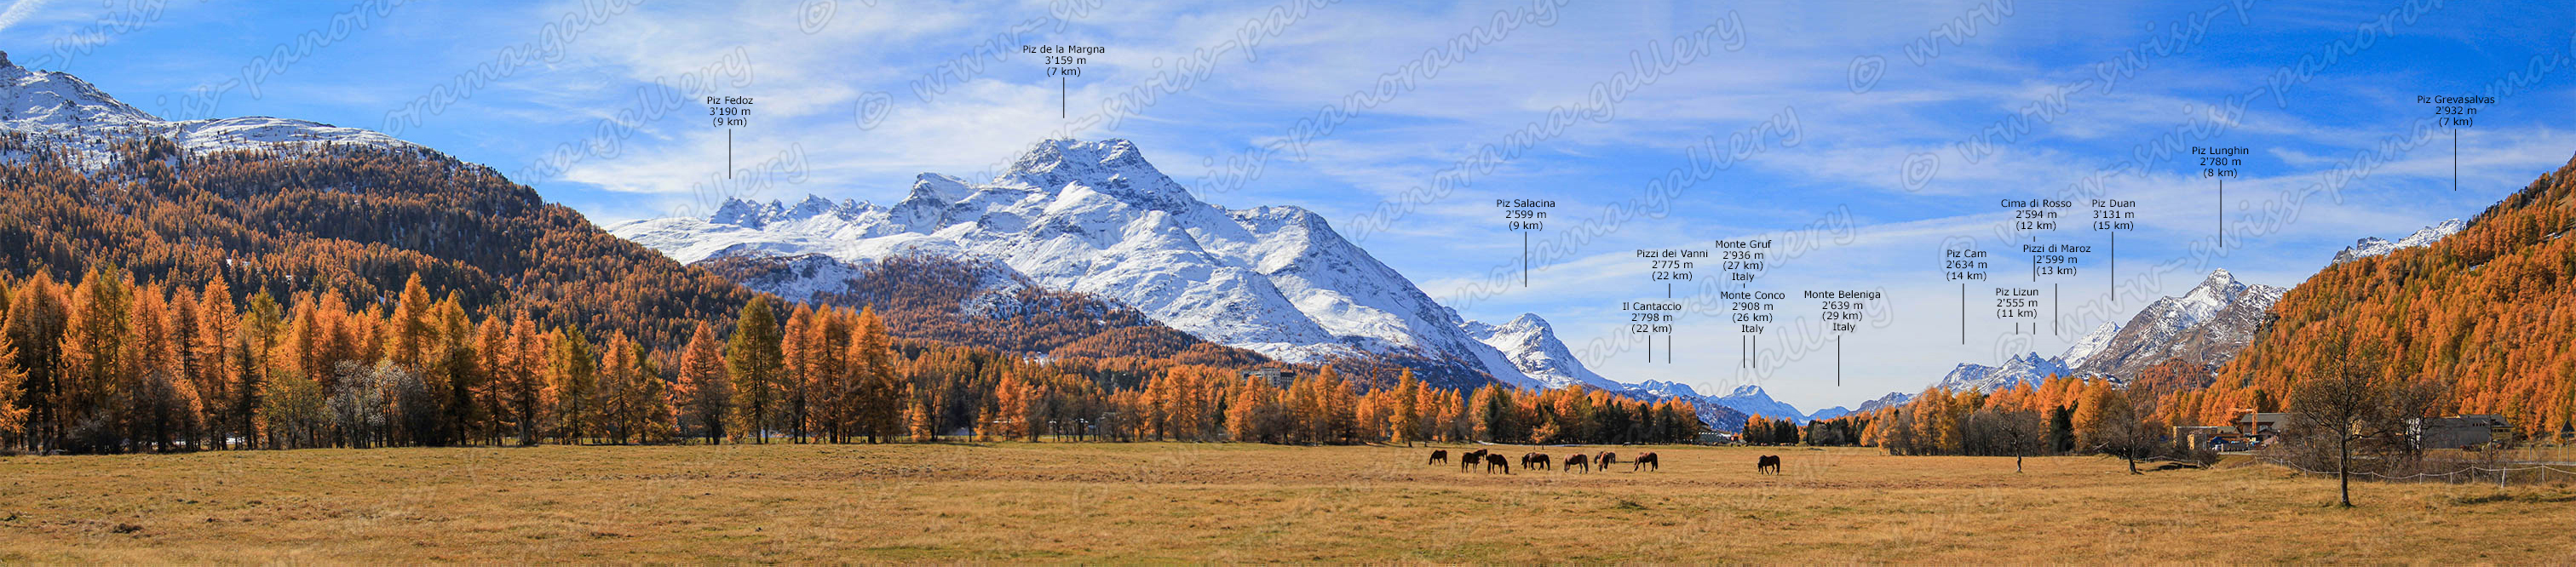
(1439, 456)
(1534, 461)
(1577, 460)
(1769, 464)
(1470, 459)
(1496, 460)
(1645, 461)
(1605, 459)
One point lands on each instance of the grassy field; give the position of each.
(1066, 502)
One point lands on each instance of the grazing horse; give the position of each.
(1439, 456)
(1606, 459)
(1496, 460)
(1645, 461)
(1470, 459)
(1576, 460)
(1534, 461)
(1770, 464)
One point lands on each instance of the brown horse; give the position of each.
(1534, 461)
(1769, 464)
(1606, 459)
(1496, 460)
(1645, 461)
(1470, 459)
(1439, 456)
(1576, 460)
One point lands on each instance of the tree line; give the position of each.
(107, 364)
(2057, 415)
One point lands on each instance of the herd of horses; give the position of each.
(1493, 460)
(1768, 464)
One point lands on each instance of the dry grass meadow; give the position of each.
(1160, 502)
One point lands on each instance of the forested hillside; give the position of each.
(350, 221)
(2488, 313)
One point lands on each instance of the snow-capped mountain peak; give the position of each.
(41, 100)
(2374, 246)
(1892, 399)
(746, 214)
(1096, 217)
(83, 118)
(1531, 346)
(2207, 324)
(1111, 166)
(2214, 292)
(1751, 400)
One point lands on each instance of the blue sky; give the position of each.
(1376, 115)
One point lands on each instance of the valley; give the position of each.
(818, 281)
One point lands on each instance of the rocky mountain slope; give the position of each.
(2207, 325)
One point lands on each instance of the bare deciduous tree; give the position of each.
(2346, 406)
(2006, 432)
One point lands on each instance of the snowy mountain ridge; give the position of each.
(2024, 368)
(1095, 217)
(65, 109)
(1751, 400)
(2375, 246)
